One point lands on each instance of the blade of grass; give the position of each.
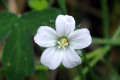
(112, 71)
(94, 53)
(117, 34)
(102, 52)
(101, 73)
(105, 18)
(97, 58)
(106, 41)
(113, 41)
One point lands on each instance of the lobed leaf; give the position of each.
(35, 19)
(18, 55)
(6, 21)
(18, 58)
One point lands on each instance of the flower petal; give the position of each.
(65, 25)
(52, 57)
(70, 58)
(80, 38)
(46, 36)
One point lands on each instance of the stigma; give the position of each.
(62, 43)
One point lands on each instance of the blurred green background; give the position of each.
(19, 55)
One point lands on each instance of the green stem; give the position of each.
(40, 67)
(90, 69)
(82, 76)
(105, 18)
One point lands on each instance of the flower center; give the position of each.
(62, 43)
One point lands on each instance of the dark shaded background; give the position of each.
(88, 14)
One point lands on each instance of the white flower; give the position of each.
(61, 44)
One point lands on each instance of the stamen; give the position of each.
(59, 46)
(65, 44)
(62, 43)
(59, 42)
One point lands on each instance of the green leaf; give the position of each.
(18, 58)
(62, 5)
(18, 54)
(35, 19)
(6, 20)
(38, 4)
